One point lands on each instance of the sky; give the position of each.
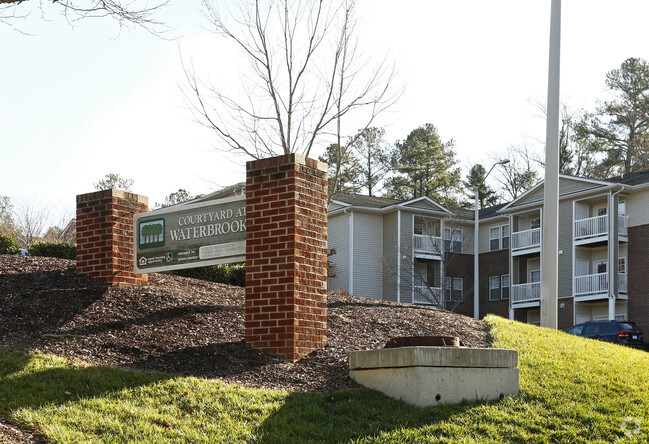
(81, 100)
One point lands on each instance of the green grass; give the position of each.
(572, 390)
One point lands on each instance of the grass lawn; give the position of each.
(572, 390)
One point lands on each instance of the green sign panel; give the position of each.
(192, 235)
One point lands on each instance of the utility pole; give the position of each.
(550, 241)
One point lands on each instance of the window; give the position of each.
(505, 237)
(535, 276)
(453, 240)
(504, 286)
(621, 265)
(621, 208)
(494, 238)
(494, 288)
(601, 211)
(535, 223)
(458, 287)
(599, 267)
(454, 289)
(426, 226)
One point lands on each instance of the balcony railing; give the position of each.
(526, 292)
(598, 226)
(591, 284)
(526, 239)
(427, 295)
(427, 244)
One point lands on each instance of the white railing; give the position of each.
(427, 244)
(427, 295)
(591, 283)
(526, 292)
(591, 227)
(526, 239)
(623, 283)
(598, 226)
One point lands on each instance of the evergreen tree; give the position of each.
(474, 180)
(425, 166)
(344, 169)
(619, 129)
(112, 180)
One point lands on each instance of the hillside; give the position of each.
(193, 327)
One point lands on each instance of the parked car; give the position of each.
(620, 332)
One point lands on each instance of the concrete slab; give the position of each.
(428, 376)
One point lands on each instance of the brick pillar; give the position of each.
(286, 255)
(105, 249)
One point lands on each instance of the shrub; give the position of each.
(222, 274)
(63, 250)
(8, 245)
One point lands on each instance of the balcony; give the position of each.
(595, 227)
(529, 292)
(426, 245)
(427, 295)
(592, 284)
(526, 239)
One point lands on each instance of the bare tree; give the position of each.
(577, 155)
(305, 75)
(125, 12)
(520, 174)
(30, 223)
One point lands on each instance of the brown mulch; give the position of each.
(192, 327)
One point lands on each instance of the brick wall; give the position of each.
(286, 255)
(105, 249)
(565, 314)
(638, 263)
(493, 263)
(460, 265)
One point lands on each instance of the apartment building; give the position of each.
(413, 252)
(420, 252)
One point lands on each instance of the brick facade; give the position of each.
(638, 263)
(566, 313)
(493, 263)
(460, 265)
(286, 255)
(104, 226)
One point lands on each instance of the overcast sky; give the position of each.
(80, 101)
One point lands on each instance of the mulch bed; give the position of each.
(193, 327)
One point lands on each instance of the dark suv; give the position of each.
(619, 332)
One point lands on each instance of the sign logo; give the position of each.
(152, 233)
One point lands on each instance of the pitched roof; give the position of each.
(383, 202)
(365, 201)
(631, 179)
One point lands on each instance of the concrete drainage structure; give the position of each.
(427, 376)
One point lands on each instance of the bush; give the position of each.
(63, 250)
(8, 245)
(221, 274)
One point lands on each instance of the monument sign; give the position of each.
(191, 235)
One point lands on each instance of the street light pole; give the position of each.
(476, 249)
